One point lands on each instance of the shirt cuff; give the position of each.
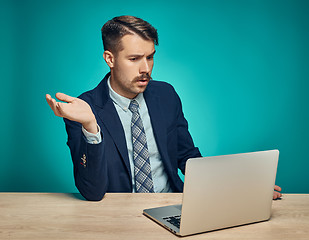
(91, 137)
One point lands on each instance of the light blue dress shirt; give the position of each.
(159, 177)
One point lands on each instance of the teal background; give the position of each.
(240, 68)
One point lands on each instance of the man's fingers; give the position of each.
(61, 109)
(50, 102)
(47, 97)
(277, 195)
(65, 98)
(53, 104)
(277, 188)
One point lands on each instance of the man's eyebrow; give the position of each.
(141, 55)
(136, 55)
(152, 53)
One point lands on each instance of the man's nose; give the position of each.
(145, 66)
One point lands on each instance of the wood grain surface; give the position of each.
(119, 216)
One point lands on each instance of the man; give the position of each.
(129, 133)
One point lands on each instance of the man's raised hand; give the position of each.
(74, 109)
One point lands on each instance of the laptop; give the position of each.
(222, 192)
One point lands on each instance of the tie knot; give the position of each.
(133, 107)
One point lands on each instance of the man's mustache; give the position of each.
(144, 76)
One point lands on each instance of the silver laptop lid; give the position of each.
(229, 190)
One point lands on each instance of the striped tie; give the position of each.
(142, 169)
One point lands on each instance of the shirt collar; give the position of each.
(121, 101)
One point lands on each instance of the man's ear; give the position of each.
(109, 58)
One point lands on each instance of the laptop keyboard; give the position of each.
(174, 220)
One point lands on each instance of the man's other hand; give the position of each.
(74, 109)
(277, 193)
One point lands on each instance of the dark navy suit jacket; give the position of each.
(107, 167)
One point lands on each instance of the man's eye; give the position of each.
(133, 59)
(150, 57)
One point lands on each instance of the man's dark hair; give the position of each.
(113, 30)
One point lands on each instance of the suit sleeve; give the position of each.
(90, 167)
(186, 147)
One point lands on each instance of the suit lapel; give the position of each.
(110, 119)
(157, 122)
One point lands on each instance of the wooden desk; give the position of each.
(119, 216)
